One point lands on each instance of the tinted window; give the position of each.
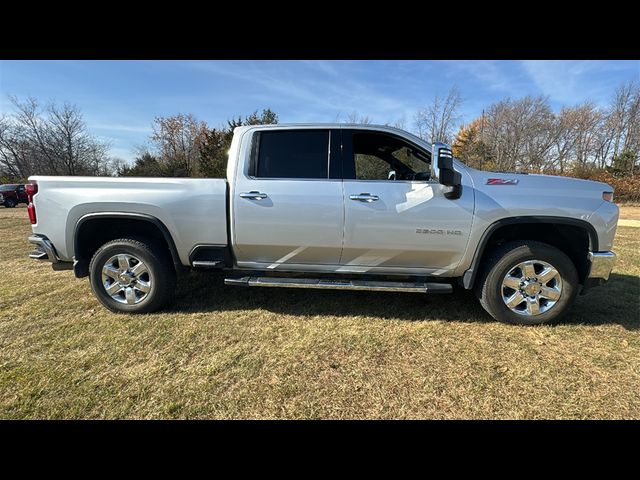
(7, 188)
(378, 156)
(293, 154)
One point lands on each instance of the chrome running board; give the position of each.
(381, 286)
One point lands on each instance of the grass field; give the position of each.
(229, 352)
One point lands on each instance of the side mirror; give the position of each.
(443, 171)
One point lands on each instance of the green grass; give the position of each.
(228, 352)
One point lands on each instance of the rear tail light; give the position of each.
(607, 196)
(31, 189)
(32, 213)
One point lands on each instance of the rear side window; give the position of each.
(292, 154)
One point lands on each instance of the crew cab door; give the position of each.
(287, 200)
(396, 218)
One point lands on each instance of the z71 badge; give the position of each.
(502, 181)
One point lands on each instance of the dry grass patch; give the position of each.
(228, 352)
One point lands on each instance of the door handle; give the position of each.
(364, 197)
(253, 195)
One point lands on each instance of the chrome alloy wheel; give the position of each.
(126, 279)
(532, 287)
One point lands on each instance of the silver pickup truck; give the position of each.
(334, 206)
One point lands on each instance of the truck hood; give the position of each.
(501, 195)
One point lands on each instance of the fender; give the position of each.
(78, 269)
(470, 274)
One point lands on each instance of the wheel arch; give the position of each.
(548, 229)
(113, 225)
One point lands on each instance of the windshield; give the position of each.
(7, 188)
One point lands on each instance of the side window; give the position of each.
(379, 156)
(291, 154)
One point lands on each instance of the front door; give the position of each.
(287, 210)
(396, 218)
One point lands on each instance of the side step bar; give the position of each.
(340, 284)
(207, 264)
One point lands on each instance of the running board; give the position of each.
(340, 284)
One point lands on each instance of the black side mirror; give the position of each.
(443, 171)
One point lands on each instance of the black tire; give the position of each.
(502, 259)
(161, 273)
(9, 203)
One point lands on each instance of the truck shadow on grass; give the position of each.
(616, 303)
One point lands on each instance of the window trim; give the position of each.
(254, 152)
(348, 158)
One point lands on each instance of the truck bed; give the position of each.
(193, 210)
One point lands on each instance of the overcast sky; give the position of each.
(119, 99)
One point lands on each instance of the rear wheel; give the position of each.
(10, 203)
(527, 283)
(132, 276)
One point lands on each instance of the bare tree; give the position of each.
(624, 116)
(50, 141)
(564, 137)
(436, 122)
(355, 117)
(586, 124)
(178, 140)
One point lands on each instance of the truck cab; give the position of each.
(343, 200)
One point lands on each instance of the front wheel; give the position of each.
(132, 276)
(527, 283)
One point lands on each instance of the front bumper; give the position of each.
(45, 251)
(601, 264)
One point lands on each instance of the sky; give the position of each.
(120, 99)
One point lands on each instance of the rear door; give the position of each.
(288, 203)
(395, 216)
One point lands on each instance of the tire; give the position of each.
(9, 203)
(144, 289)
(506, 265)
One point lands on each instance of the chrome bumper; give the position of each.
(601, 264)
(44, 249)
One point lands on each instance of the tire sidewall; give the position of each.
(9, 203)
(152, 263)
(546, 253)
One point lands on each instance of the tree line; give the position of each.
(522, 134)
(526, 135)
(51, 140)
(186, 147)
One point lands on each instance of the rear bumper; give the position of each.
(45, 251)
(601, 264)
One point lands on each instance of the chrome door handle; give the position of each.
(253, 195)
(364, 197)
